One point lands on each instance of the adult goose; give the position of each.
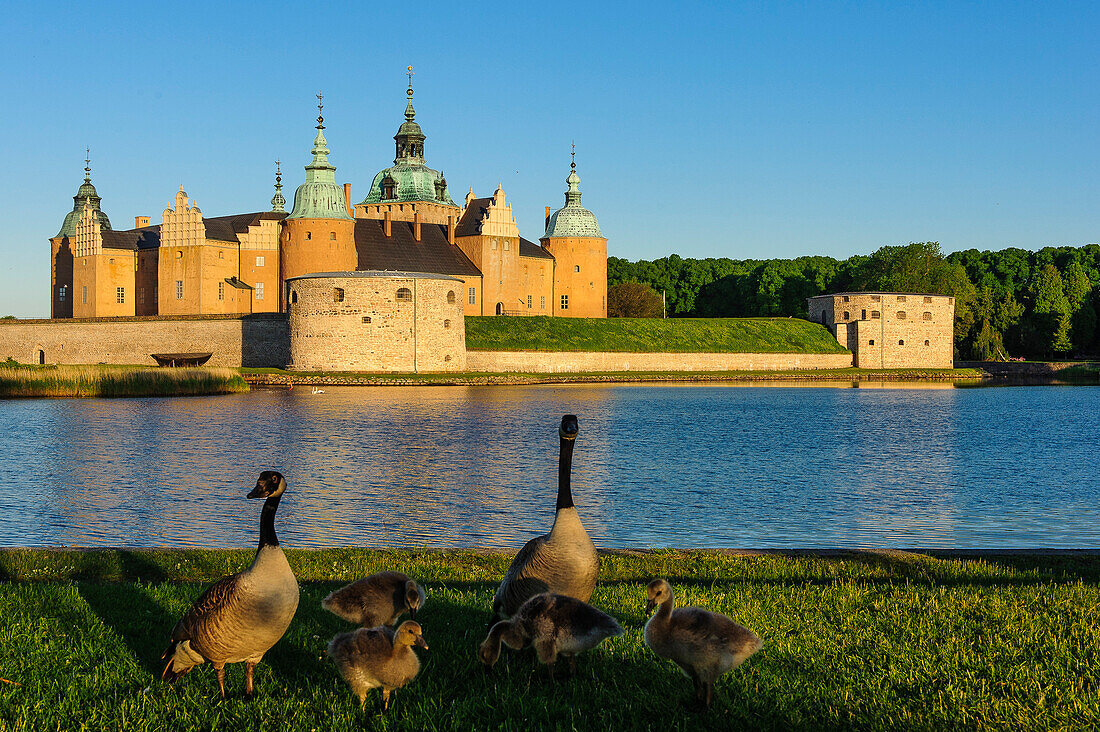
(564, 561)
(380, 599)
(556, 625)
(241, 616)
(371, 657)
(702, 643)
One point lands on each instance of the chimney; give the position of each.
(546, 222)
(416, 225)
(386, 224)
(141, 221)
(347, 198)
(451, 230)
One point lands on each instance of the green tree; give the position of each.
(633, 300)
(1048, 326)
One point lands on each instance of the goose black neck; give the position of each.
(565, 469)
(267, 522)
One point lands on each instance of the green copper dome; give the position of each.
(319, 197)
(85, 194)
(409, 179)
(572, 219)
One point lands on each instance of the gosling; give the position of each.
(380, 599)
(702, 643)
(371, 657)
(556, 625)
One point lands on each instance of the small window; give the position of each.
(874, 314)
(120, 295)
(366, 318)
(404, 294)
(576, 268)
(179, 254)
(565, 302)
(901, 298)
(221, 255)
(309, 235)
(901, 343)
(84, 295)
(846, 298)
(259, 261)
(473, 296)
(179, 289)
(141, 295)
(221, 290)
(926, 316)
(864, 315)
(927, 343)
(846, 315)
(530, 298)
(451, 297)
(61, 294)
(928, 300)
(506, 243)
(871, 342)
(111, 261)
(338, 294)
(876, 298)
(259, 290)
(542, 302)
(901, 315)
(446, 324)
(494, 243)
(293, 298)
(447, 357)
(332, 236)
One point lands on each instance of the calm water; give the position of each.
(685, 466)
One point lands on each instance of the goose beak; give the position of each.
(569, 427)
(421, 642)
(649, 606)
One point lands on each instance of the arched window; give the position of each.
(500, 308)
(927, 343)
(451, 297)
(338, 295)
(404, 294)
(309, 235)
(332, 236)
(293, 298)
(576, 268)
(901, 343)
(389, 188)
(446, 324)
(847, 316)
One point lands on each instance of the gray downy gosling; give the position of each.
(702, 643)
(380, 599)
(556, 625)
(369, 658)
(565, 560)
(240, 617)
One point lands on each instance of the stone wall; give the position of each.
(546, 362)
(890, 330)
(251, 340)
(376, 321)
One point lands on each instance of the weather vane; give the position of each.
(320, 106)
(278, 171)
(573, 157)
(409, 73)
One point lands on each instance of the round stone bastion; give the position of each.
(376, 321)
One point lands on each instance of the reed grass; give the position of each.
(116, 381)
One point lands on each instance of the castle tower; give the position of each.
(319, 233)
(573, 236)
(61, 245)
(409, 190)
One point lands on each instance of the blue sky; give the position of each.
(742, 130)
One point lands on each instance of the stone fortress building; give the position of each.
(190, 264)
(890, 330)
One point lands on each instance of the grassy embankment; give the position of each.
(649, 335)
(858, 641)
(18, 380)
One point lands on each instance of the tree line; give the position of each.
(1008, 303)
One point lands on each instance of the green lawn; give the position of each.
(859, 641)
(649, 335)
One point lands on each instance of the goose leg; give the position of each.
(248, 668)
(385, 699)
(220, 671)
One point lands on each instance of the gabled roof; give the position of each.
(531, 249)
(472, 216)
(146, 237)
(226, 228)
(401, 251)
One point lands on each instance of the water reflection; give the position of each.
(689, 466)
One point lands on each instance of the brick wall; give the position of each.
(890, 330)
(545, 362)
(256, 340)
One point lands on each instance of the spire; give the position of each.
(85, 195)
(319, 197)
(409, 138)
(572, 219)
(573, 194)
(277, 201)
(87, 165)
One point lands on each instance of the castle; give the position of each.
(240, 264)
